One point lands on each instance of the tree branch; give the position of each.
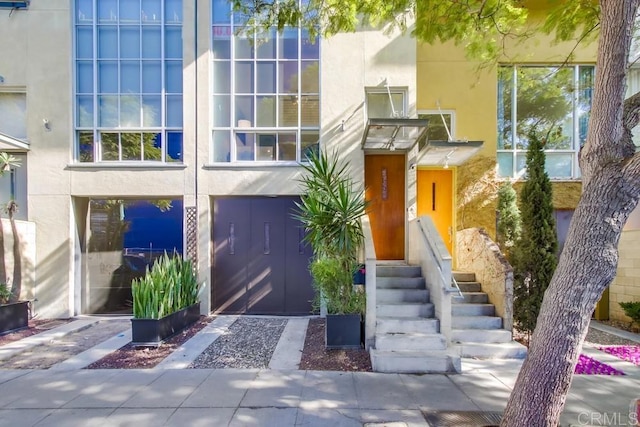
(631, 112)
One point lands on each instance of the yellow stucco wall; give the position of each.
(626, 285)
(447, 78)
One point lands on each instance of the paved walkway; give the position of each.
(288, 397)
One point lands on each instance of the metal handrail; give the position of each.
(454, 284)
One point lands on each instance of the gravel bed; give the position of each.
(594, 336)
(249, 343)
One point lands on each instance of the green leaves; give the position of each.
(169, 286)
(632, 309)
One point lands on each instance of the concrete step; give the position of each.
(480, 336)
(464, 276)
(470, 286)
(410, 342)
(405, 310)
(462, 309)
(399, 282)
(402, 295)
(476, 322)
(415, 362)
(508, 350)
(407, 325)
(400, 270)
(473, 298)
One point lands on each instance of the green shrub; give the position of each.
(5, 293)
(169, 286)
(632, 309)
(334, 284)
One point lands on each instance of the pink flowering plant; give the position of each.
(590, 366)
(630, 353)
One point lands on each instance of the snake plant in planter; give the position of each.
(330, 210)
(165, 300)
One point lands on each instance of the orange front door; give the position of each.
(384, 179)
(435, 198)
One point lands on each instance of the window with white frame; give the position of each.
(266, 91)
(13, 114)
(440, 125)
(128, 80)
(552, 101)
(386, 103)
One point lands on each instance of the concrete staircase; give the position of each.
(408, 335)
(476, 330)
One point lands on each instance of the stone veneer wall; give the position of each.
(477, 253)
(626, 286)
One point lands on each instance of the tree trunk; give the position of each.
(611, 189)
(3, 268)
(16, 282)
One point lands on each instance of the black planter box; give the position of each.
(14, 316)
(151, 332)
(343, 331)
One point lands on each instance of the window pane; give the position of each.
(221, 11)
(173, 11)
(245, 146)
(86, 143)
(244, 111)
(585, 97)
(266, 73)
(288, 111)
(174, 111)
(505, 165)
(221, 146)
(85, 111)
(107, 10)
(266, 111)
(521, 163)
(151, 77)
(310, 111)
(173, 76)
(505, 88)
(84, 10)
(558, 165)
(222, 77)
(380, 106)
(151, 42)
(243, 48)
(266, 45)
(109, 143)
(84, 42)
(130, 111)
(84, 76)
(287, 146)
(107, 77)
(150, 11)
(221, 111)
(310, 77)
(13, 114)
(173, 43)
(107, 42)
(130, 42)
(545, 106)
(288, 77)
(131, 146)
(108, 111)
(288, 44)
(309, 143)
(152, 146)
(174, 146)
(310, 49)
(130, 77)
(244, 77)
(436, 130)
(151, 112)
(266, 147)
(130, 11)
(221, 42)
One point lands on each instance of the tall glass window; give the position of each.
(128, 80)
(552, 102)
(266, 91)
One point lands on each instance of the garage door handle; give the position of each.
(300, 240)
(232, 238)
(267, 241)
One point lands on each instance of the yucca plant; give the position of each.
(169, 286)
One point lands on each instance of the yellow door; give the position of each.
(435, 198)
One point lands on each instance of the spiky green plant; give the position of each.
(169, 286)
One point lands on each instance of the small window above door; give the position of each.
(386, 103)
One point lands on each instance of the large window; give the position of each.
(128, 80)
(13, 114)
(266, 91)
(552, 102)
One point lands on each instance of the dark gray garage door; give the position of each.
(260, 263)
